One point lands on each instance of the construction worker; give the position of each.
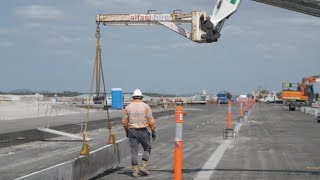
(137, 117)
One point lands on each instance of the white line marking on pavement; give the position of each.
(238, 126)
(211, 164)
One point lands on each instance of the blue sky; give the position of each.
(50, 45)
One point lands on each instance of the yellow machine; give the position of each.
(299, 94)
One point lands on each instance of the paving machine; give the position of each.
(299, 94)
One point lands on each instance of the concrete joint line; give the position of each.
(209, 167)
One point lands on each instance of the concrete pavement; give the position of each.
(272, 143)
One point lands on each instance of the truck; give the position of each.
(223, 97)
(272, 98)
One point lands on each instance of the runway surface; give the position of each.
(272, 143)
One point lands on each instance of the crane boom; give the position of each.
(204, 28)
(168, 20)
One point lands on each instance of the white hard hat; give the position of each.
(137, 92)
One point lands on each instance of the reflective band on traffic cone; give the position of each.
(240, 109)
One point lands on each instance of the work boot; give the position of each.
(143, 168)
(135, 171)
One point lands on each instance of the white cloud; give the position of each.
(183, 45)
(54, 34)
(134, 5)
(38, 12)
(156, 47)
(301, 21)
(283, 20)
(108, 4)
(67, 39)
(6, 44)
(273, 47)
(4, 31)
(240, 30)
(145, 46)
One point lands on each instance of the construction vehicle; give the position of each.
(271, 98)
(299, 94)
(223, 97)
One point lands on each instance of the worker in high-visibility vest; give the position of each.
(137, 117)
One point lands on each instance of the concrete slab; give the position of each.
(26, 129)
(22, 159)
(84, 167)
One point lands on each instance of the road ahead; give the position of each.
(272, 143)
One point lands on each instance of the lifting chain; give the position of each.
(98, 62)
(96, 69)
(98, 72)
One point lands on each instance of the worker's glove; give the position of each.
(127, 134)
(153, 135)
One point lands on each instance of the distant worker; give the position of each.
(137, 117)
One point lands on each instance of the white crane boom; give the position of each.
(204, 29)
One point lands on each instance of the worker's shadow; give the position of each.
(110, 171)
(124, 171)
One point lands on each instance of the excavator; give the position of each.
(299, 94)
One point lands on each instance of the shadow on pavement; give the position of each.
(129, 173)
(110, 171)
(273, 170)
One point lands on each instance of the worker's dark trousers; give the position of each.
(137, 137)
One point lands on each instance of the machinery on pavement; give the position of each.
(223, 97)
(272, 98)
(299, 94)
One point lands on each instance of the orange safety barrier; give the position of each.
(229, 118)
(178, 144)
